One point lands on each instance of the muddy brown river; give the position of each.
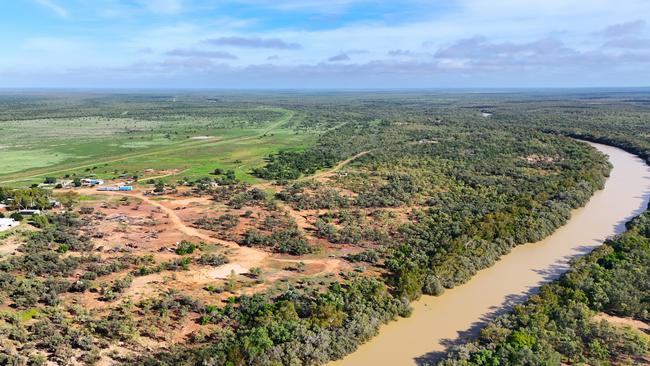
(437, 322)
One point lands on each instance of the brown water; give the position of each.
(437, 322)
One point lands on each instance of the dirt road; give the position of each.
(243, 259)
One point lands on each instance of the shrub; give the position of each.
(39, 221)
(256, 271)
(159, 187)
(212, 260)
(185, 247)
(368, 256)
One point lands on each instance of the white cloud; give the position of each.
(58, 10)
(472, 37)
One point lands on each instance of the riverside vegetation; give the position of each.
(561, 323)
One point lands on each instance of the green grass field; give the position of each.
(105, 147)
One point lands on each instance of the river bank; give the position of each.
(438, 322)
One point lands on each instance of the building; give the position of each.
(115, 189)
(66, 183)
(6, 224)
(29, 212)
(91, 182)
(108, 189)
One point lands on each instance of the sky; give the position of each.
(324, 44)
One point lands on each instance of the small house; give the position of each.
(108, 189)
(66, 183)
(6, 224)
(91, 182)
(29, 212)
(115, 188)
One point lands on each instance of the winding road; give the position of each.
(438, 322)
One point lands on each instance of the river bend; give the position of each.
(437, 322)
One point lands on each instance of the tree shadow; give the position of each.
(549, 274)
(509, 302)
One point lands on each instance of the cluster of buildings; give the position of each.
(9, 223)
(94, 182)
(69, 183)
(120, 187)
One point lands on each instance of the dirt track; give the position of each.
(241, 261)
(336, 168)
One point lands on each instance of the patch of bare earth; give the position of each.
(145, 225)
(9, 247)
(537, 159)
(638, 325)
(616, 320)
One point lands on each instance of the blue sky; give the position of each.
(353, 44)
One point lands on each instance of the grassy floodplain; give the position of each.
(164, 135)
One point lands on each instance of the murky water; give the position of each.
(440, 321)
